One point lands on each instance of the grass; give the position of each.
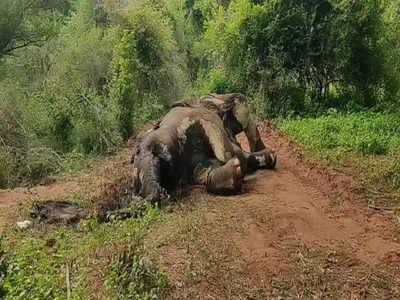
(367, 141)
(362, 133)
(325, 275)
(104, 260)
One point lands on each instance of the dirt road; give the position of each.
(302, 231)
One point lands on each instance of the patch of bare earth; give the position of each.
(301, 231)
(105, 181)
(13, 201)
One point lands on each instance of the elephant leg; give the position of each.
(242, 115)
(253, 136)
(251, 162)
(218, 178)
(264, 159)
(260, 156)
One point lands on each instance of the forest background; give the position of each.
(78, 77)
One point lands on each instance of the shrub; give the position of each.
(292, 51)
(82, 120)
(19, 149)
(8, 166)
(96, 128)
(147, 74)
(214, 82)
(22, 280)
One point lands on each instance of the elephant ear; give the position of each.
(191, 102)
(224, 103)
(212, 128)
(218, 139)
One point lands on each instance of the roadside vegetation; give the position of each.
(79, 77)
(368, 141)
(61, 261)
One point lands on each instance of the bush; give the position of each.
(295, 52)
(93, 84)
(83, 121)
(23, 158)
(147, 75)
(35, 139)
(72, 112)
(35, 271)
(8, 166)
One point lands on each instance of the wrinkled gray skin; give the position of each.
(195, 143)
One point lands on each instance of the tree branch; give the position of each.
(25, 44)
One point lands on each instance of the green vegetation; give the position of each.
(362, 133)
(130, 278)
(25, 23)
(78, 77)
(82, 90)
(37, 268)
(301, 57)
(3, 269)
(369, 141)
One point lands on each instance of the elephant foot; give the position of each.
(271, 161)
(261, 160)
(227, 179)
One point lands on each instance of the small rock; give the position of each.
(24, 224)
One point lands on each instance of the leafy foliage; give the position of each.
(303, 49)
(24, 22)
(88, 73)
(145, 67)
(35, 267)
(86, 89)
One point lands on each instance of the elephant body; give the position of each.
(194, 143)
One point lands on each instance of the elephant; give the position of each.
(195, 144)
(234, 111)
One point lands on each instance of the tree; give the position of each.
(311, 45)
(28, 22)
